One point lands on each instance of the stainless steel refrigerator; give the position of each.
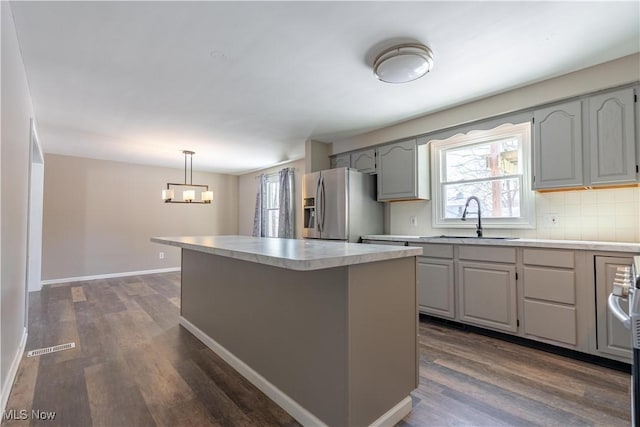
(340, 204)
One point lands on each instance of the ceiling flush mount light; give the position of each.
(189, 188)
(403, 63)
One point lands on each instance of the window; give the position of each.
(274, 213)
(271, 204)
(492, 165)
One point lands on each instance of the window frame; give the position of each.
(272, 178)
(439, 147)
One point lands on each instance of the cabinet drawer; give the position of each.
(550, 285)
(434, 250)
(549, 258)
(487, 253)
(550, 321)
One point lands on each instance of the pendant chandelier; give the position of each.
(189, 189)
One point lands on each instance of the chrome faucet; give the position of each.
(464, 214)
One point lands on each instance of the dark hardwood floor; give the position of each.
(133, 365)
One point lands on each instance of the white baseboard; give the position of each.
(11, 375)
(395, 414)
(292, 407)
(108, 276)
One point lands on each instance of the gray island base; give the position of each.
(327, 330)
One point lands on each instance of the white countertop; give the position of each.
(539, 243)
(293, 254)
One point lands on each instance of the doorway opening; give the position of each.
(34, 223)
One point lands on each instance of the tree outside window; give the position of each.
(491, 165)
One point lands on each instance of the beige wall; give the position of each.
(17, 111)
(99, 216)
(603, 76)
(611, 214)
(248, 187)
(316, 155)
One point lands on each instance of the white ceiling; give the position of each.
(245, 83)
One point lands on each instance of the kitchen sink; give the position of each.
(443, 236)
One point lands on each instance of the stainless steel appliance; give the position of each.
(625, 290)
(340, 204)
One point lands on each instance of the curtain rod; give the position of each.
(273, 173)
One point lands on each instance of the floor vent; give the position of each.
(47, 350)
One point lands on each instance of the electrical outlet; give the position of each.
(413, 221)
(550, 220)
(161, 255)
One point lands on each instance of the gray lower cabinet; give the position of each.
(549, 284)
(557, 146)
(613, 338)
(612, 137)
(364, 161)
(551, 300)
(487, 294)
(436, 284)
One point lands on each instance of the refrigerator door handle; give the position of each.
(317, 206)
(323, 201)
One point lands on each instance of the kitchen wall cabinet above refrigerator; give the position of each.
(340, 161)
(364, 161)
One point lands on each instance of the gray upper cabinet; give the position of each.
(403, 171)
(612, 137)
(557, 146)
(364, 161)
(341, 161)
(598, 148)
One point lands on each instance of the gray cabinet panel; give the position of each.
(550, 321)
(550, 309)
(549, 257)
(341, 161)
(436, 287)
(487, 295)
(550, 285)
(403, 171)
(612, 137)
(397, 175)
(364, 161)
(487, 253)
(557, 146)
(435, 250)
(613, 337)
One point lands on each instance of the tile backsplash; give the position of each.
(603, 215)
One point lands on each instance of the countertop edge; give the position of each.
(386, 253)
(517, 242)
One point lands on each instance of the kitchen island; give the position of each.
(328, 330)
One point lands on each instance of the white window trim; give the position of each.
(269, 178)
(527, 209)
